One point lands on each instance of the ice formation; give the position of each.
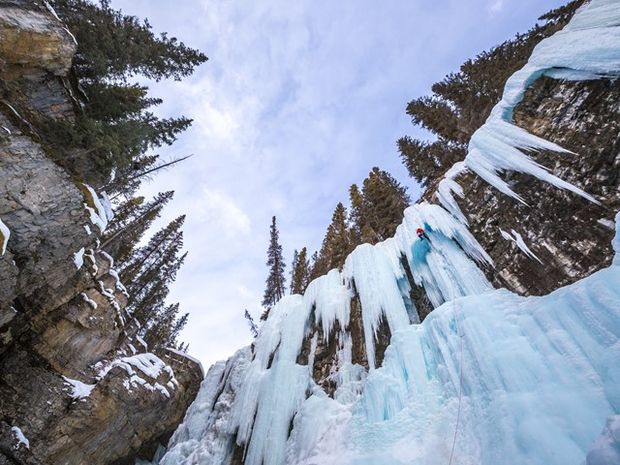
(518, 240)
(586, 48)
(101, 211)
(536, 376)
(489, 377)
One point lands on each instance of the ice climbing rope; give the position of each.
(458, 411)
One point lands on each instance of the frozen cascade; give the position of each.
(540, 374)
(510, 379)
(587, 48)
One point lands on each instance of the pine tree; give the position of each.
(115, 127)
(336, 244)
(300, 274)
(114, 46)
(293, 267)
(146, 257)
(424, 159)
(315, 272)
(377, 209)
(275, 284)
(130, 222)
(251, 324)
(384, 203)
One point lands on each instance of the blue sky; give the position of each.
(299, 99)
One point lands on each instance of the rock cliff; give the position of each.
(75, 379)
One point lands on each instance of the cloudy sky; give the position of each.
(299, 99)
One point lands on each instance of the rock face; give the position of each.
(75, 378)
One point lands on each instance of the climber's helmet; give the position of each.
(420, 232)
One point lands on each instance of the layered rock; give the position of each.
(75, 379)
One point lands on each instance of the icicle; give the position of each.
(587, 48)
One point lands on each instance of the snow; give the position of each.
(87, 229)
(5, 234)
(78, 258)
(586, 48)
(79, 390)
(51, 10)
(518, 240)
(142, 342)
(21, 438)
(89, 301)
(148, 364)
(609, 224)
(98, 215)
(108, 257)
(117, 281)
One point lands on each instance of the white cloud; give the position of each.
(495, 6)
(222, 213)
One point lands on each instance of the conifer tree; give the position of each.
(336, 244)
(167, 239)
(130, 222)
(293, 267)
(300, 274)
(251, 324)
(275, 284)
(378, 209)
(115, 127)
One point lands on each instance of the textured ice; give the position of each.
(540, 378)
(78, 389)
(586, 48)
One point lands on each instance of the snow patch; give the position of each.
(78, 258)
(148, 364)
(5, 234)
(79, 390)
(95, 208)
(21, 437)
(89, 301)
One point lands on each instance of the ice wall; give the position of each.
(487, 378)
(587, 48)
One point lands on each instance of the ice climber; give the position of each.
(421, 234)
